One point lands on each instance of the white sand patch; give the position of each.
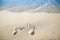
(47, 26)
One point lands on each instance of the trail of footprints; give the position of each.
(31, 28)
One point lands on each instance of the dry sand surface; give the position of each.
(47, 26)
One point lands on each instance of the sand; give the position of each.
(47, 26)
